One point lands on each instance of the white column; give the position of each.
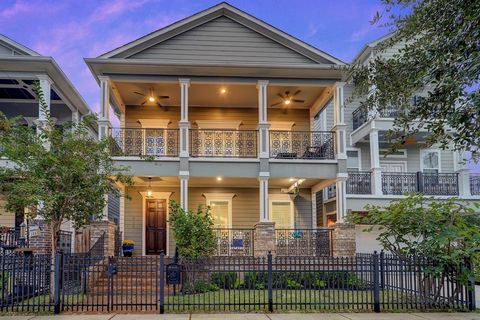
(263, 125)
(105, 209)
(184, 175)
(104, 119)
(264, 206)
(341, 196)
(122, 211)
(45, 87)
(375, 163)
(463, 172)
(76, 117)
(339, 120)
(184, 124)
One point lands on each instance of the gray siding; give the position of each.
(222, 40)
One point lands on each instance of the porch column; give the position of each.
(341, 196)
(263, 125)
(104, 119)
(264, 207)
(184, 124)
(375, 163)
(75, 117)
(46, 87)
(339, 121)
(184, 175)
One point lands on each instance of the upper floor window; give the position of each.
(430, 161)
(353, 160)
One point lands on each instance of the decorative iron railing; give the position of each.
(398, 183)
(223, 143)
(439, 184)
(234, 242)
(145, 142)
(303, 242)
(389, 112)
(475, 184)
(359, 117)
(359, 183)
(12, 238)
(302, 145)
(331, 191)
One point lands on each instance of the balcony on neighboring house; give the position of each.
(359, 182)
(223, 143)
(310, 145)
(361, 115)
(475, 184)
(145, 142)
(437, 184)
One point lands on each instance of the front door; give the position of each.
(156, 226)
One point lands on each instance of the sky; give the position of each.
(71, 30)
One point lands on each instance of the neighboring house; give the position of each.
(19, 68)
(253, 122)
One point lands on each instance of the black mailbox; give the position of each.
(173, 273)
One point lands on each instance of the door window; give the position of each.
(431, 161)
(282, 213)
(219, 211)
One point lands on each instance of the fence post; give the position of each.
(57, 284)
(471, 285)
(4, 283)
(419, 181)
(162, 283)
(376, 287)
(270, 281)
(382, 269)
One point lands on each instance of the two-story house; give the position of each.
(225, 110)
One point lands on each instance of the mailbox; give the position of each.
(173, 273)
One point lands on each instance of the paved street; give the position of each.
(261, 316)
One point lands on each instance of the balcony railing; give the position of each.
(359, 183)
(223, 143)
(360, 115)
(145, 142)
(303, 242)
(302, 145)
(475, 184)
(234, 242)
(440, 184)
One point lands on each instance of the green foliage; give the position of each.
(444, 231)
(199, 286)
(193, 231)
(226, 280)
(60, 171)
(439, 58)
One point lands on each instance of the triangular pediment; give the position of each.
(222, 34)
(9, 47)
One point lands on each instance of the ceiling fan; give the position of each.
(288, 98)
(151, 97)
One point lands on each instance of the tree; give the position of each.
(192, 231)
(60, 171)
(446, 232)
(439, 57)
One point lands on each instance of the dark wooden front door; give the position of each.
(156, 226)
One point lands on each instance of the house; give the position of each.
(225, 110)
(19, 68)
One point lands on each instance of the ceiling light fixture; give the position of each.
(149, 190)
(223, 91)
(151, 99)
(288, 101)
(219, 178)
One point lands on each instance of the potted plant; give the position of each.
(127, 247)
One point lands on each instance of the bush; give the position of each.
(226, 280)
(199, 286)
(192, 231)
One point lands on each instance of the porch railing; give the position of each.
(223, 143)
(234, 242)
(302, 145)
(439, 184)
(12, 238)
(360, 115)
(303, 242)
(145, 142)
(475, 184)
(359, 183)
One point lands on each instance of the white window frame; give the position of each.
(359, 157)
(384, 154)
(286, 199)
(405, 163)
(228, 197)
(422, 154)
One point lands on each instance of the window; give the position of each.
(353, 160)
(400, 153)
(281, 211)
(220, 208)
(430, 161)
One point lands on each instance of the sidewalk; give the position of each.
(260, 316)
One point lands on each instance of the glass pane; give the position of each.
(219, 210)
(352, 159)
(281, 215)
(430, 160)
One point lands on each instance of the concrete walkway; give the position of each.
(260, 316)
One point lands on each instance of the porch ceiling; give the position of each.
(212, 95)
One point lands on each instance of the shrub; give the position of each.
(226, 280)
(199, 286)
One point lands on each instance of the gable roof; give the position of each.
(15, 48)
(288, 42)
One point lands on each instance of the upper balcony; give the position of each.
(361, 115)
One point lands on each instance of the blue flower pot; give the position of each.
(127, 250)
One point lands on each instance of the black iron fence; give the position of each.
(371, 282)
(314, 145)
(145, 142)
(475, 184)
(12, 238)
(223, 143)
(398, 183)
(303, 242)
(234, 242)
(359, 183)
